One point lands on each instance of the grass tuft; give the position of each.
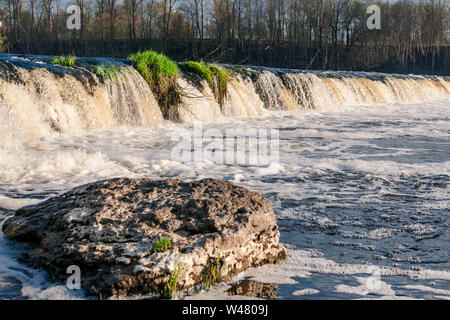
(171, 286)
(238, 70)
(161, 245)
(217, 77)
(199, 68)
(66, 61)
(156, 68)
(222, 77)
(212, 273)
(105, 72)
(161, 74)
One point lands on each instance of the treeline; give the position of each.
(314, 34)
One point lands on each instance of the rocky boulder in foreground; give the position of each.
(108, 228)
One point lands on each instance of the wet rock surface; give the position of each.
(254, 289)
(5, 213)
(108, 228)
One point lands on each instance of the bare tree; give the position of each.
(167, 8)
(291, 33)
(112, 12)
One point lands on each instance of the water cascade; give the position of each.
(41, 98)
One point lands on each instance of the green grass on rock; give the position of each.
(106, 72)
(161, 74)
(156, 68)
(217, 77)
(66, 61)
(161, 245)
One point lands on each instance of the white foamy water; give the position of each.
(355, 187)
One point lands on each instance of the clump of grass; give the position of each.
(238, 69)
(161, 245)
(105, 71)
(161, 74)
(171, 286)
(67, 61)
(156, 68)
(212, 274)
(222, 77)
(199, 68)
(217, 77)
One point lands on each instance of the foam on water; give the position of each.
(18, 281)
(352, 189)
(304, 292)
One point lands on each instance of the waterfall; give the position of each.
(243, 101)
(38, 98)
(283, 89)
(44, 98)
(198, 103)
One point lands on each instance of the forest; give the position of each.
(303, 34)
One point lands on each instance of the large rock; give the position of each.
(107, 228)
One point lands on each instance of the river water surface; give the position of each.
(361, 194)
